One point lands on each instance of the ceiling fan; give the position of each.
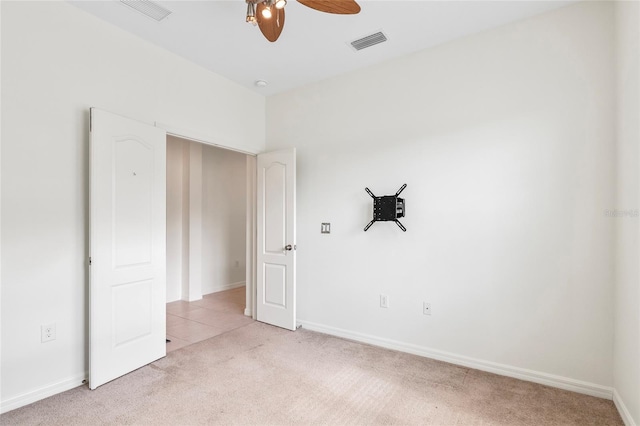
(268, 15)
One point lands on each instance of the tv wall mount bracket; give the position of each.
(387, 208)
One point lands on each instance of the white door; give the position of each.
(127, 273)
(276, 242)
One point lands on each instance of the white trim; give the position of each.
(42, 393)
(203, 139)
(228, 287)
(478, 364)
(252, 221)
(622, 409)
(1, 240)
(250, 245)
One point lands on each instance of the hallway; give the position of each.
(214, 314)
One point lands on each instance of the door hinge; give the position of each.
(89, 261)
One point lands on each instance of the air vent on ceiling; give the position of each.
(148, 8)
(368, 41)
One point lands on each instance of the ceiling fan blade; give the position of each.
(340, 7)
(272, 27)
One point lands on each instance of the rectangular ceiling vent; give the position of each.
(368, 41)
(148, 8)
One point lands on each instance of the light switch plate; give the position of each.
(325, 228)
(384, 301)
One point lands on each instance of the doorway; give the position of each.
(128, 171)
(207, 264)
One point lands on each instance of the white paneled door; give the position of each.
(128, 226)
(276, 242)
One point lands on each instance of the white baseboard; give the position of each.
(42, 393)
(228, 287)
(478, 364)
(622, 409)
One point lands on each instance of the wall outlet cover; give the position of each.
(426, 308)
(48, 332)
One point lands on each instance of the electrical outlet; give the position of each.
(426, 308)
(48, 332)
(384, 301)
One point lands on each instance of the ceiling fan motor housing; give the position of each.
(263, 12)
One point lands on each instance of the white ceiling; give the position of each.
(313, 45)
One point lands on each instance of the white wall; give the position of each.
(627, 251)
(220, 222)
(192, 290)
(224, 222)
(177, 215)
(57, 61)
(505, 140)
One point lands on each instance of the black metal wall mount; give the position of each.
(387, 208)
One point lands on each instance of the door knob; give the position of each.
(288, 247)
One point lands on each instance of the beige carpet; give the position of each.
(259, 374)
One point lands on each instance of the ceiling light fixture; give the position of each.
(251, 13)
(269, 14)
(266, 12)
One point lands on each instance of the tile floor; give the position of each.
(215, 313)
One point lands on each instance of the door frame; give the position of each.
(251, 236)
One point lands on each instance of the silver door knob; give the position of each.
(288, 247)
